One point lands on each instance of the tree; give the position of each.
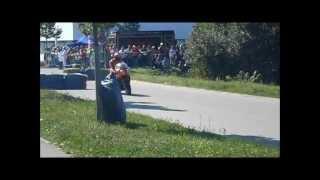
(219, 49)
(47, 31)
(98, 30)
(262, 51)
(102, 31)
(87, 28)
(127, 27)
(212, 48)
(57, 34)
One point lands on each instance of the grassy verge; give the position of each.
(70, 123)
(250, 88)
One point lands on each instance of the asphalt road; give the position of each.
(246, 116)
(47, 150)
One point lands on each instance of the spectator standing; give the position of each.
(161, 51)
(111, 50)
(83, 56)
(143, 55)
(65, 55)
(178, 56)
(154, 56)
(135, 54)
(115, 49)
(122, 53)
(128, 56)
(149, 55)
(55, 56)
(172, 55)
(60, 59)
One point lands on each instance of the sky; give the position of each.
(182, 30)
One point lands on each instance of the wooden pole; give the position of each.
(98, 77)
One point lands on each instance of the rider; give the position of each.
(120, 70)
(112, 63)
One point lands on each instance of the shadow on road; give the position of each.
(192, 132)
(258, 139)
(146, 105)
(137, 95)
(207, 135)
(141, 102)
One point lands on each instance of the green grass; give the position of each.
(250, 88)
(71, 124)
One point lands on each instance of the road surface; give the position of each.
(251, 117)
(49, 150)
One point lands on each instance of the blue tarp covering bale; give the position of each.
(76, 81)
(113, 106)
(52, 81)
(60, 81)
(42, 80)
(52, 66)
(90, 73)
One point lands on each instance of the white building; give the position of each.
(70, 32)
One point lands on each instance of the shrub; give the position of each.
(228, 78)
(256, 77)
(240, 76)
(221, 49)
(245, 76)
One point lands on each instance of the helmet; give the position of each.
(121, 65)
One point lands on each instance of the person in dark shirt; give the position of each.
(135, 54)
(143, 55)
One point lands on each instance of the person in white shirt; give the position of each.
(65, 56)
(60, 58)
(172, 55)
(122, 52)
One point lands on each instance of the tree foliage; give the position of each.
(57, 33)
(47, 30)
(217, 50)
(87, 28)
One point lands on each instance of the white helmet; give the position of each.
(121, 65)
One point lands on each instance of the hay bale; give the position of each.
(90, 73)
(52, 81)
(76, 81)
(75, 65)
(71, 70)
